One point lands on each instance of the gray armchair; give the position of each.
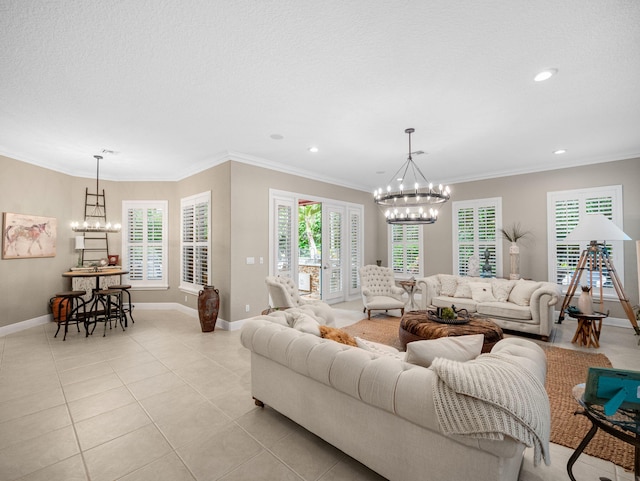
(379, 290)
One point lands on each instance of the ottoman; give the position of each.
(415, 326)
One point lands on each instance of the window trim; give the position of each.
(163, 205)
(405, 275)
(188, 287)
(617, 214)
(495, 202)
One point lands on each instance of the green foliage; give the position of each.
(514, 232)
(448, 313)
(310, 229)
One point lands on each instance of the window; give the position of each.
(405, 243)
(475, 232)
(564, 211)
(195, 241)
(144, 243)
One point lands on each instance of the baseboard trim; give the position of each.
(28, 324)
(142, 306)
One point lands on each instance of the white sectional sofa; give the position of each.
(523, 306)
(376, 408)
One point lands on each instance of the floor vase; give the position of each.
(514, 257)
(208, 305)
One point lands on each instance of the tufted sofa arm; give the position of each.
(542, 301)
(429, 288)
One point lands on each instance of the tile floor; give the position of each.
(163, 401)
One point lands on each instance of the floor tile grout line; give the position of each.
(66, 403)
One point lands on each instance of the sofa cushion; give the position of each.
(459, 302)
(379, 349)
(505, 309)
(502, 289)
(448, 285)
(457, 348)
(463, 289)
(522, 291)
(481, 292)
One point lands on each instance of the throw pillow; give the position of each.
(448, 285)
(457, 348)
(502, 289)
(304, 323)
(463, 289)
(379, 349)
(337, 335)
(481, 292)
(522, 291)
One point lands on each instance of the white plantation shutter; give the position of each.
(145, 243)
(475, 232)
(195, 241)
(284, 237)
(564, 211)
(406, 250)
(355, 249)
(335, 251)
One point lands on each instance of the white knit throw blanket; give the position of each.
(490, 397)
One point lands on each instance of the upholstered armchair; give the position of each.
(284, 293)
(379, 290)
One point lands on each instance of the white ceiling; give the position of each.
(178, 86)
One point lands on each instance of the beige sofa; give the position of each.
(523, 306)
(376, 408)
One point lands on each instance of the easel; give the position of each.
(597, 257)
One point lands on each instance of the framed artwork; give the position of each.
(25, 236)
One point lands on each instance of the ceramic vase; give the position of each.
(585, 303)
(208, 305)
(514, 257)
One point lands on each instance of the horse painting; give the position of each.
(27, 236)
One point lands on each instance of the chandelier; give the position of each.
(95, 220)
(409, 196)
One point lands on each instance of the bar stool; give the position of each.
(129, 309)
(110, 300)
(67, 310)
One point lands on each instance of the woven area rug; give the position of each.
(565, 369)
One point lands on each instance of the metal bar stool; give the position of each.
(67, 310)
(125, 309)
(110, 300)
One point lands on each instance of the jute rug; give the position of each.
(565, 369)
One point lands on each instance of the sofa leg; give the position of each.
(258, 402)
(369, 314)
(544, 338)
(402, 311)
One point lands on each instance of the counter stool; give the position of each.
(67, 310)
(125, 309)
(110, 300)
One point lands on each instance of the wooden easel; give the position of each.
(594, 258)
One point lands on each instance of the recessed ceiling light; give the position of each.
(313, 149)
(545, 75)
(559, 151)
(277, 136)
(380, 172)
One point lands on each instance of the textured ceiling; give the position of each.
(178, 86)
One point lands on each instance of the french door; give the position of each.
(341, 251)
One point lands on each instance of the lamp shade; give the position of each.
(596, 227)
(79, 242)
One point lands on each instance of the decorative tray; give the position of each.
(462, 317)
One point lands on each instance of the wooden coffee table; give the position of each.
(415, 326)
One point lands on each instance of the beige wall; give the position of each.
(240, 210)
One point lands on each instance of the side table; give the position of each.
(409, 287)
(624, 425)
(589, 328)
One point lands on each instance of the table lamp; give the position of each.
(79, 248)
